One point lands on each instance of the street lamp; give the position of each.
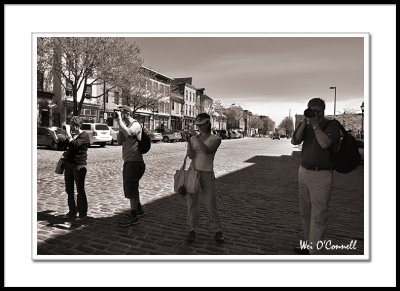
(334, 103)
(362, 121)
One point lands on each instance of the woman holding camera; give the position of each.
(201, 149)
(75, 168)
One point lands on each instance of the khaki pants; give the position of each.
(314, 193)
(208, 189)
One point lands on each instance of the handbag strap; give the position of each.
(184, 163)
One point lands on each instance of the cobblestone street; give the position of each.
(257, 200)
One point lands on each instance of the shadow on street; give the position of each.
(258, 206)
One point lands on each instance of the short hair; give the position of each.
(75, 120)
(316, 102)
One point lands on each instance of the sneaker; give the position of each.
(219, 237)
(140, 212)
(131, 220)
(300, 251)
(69, 215)
(191, 236)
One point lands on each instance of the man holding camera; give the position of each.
(315, 176)
(130, 132)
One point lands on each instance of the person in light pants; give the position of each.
(201, 149)
(320, 139)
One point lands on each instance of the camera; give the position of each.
(115, 115)
(309, 113)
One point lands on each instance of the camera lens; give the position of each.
(309, 113)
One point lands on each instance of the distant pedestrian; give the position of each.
(130, 132)
(75, 168)
(315, 176)
(201, 149)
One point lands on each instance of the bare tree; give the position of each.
(219, 109)
(287, 125)
(80, 62)
(233, 114)
(139, 91)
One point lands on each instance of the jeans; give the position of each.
(76, 174)
(208, 188)
(131, 174)
(314, 193)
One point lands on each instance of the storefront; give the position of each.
(89, 112)
(176, 123)
(45, 113)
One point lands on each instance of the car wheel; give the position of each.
(112, 142)
(103, 144)
(165, 139)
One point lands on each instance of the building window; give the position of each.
(68, 90)
(186, 94)
(88, 92)
(186, 109)
(40, 81)
(173, 105)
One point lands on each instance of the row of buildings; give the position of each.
(178, 104)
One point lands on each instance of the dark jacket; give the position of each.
(77, 149)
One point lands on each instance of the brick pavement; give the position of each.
(257, 200)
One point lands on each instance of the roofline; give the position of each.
(158, 73)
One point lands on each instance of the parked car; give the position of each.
(235, 134)
(154, 136)
(179, 135)
(184, 135)
(221, 133)
(275, 135)
(99, 133)
(169, 134)
(51, 137)
(114, 134)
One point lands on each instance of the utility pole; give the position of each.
(104, 101)
(334, 103)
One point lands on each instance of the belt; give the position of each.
(314, 168)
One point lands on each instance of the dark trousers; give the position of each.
(76, 174)
(132, 173)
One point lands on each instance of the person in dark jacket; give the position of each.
(75, 168)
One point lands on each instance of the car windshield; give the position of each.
(85, 127)
(101, 127)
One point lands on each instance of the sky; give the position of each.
(272, 76)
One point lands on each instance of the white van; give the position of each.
(99, 133)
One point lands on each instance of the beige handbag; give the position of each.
(179, 179)
(187, 181)
(192, 181)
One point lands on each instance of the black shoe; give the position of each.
(300, 251)
(219, 238)
(140, 212)
(191, 236)
(69, 215)
(82, 218)
(131, 220)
